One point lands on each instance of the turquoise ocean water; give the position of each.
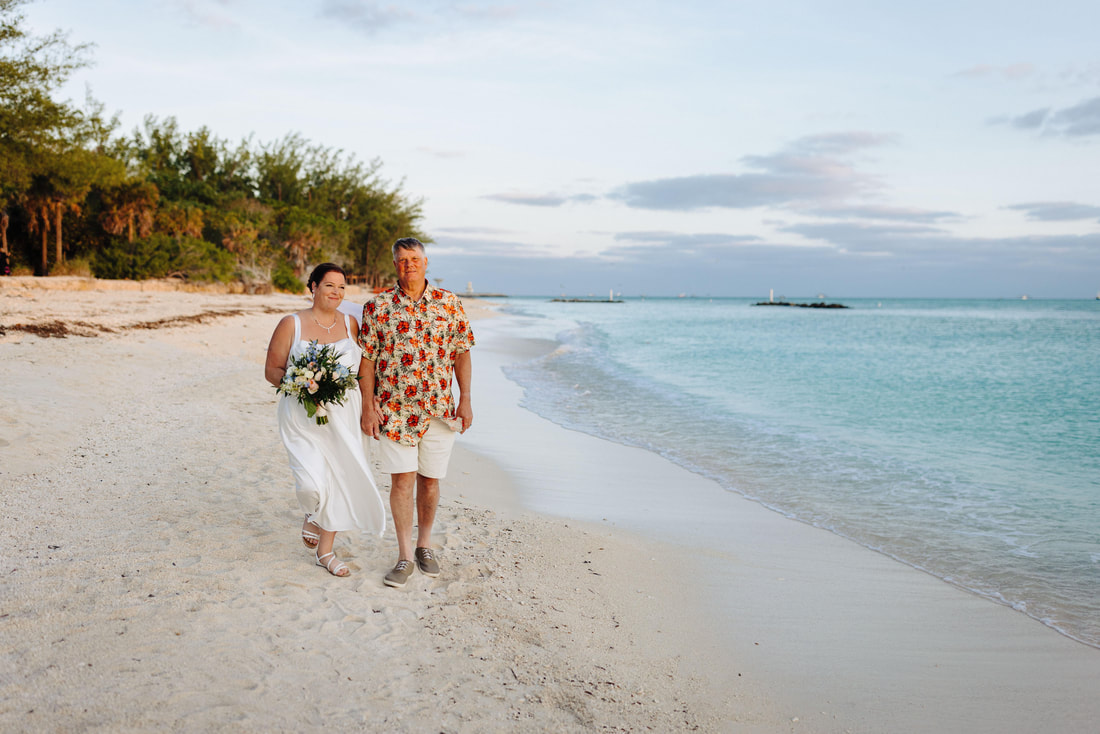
(961, 437)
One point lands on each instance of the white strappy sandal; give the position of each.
(310, 539)
(332, 565)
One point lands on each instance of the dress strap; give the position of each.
(347, 325)
(297, 329)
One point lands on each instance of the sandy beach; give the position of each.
(153, 577)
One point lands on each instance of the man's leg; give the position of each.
(427, 501)
(402, 487)
(400, 462)
(434, 454)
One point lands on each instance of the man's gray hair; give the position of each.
(407, 243)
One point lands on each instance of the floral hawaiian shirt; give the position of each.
(413, 345)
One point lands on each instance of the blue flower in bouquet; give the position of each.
(316, 378)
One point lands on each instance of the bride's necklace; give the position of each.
(326, 328)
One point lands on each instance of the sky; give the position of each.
(848, 149)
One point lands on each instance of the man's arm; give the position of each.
(465, 410)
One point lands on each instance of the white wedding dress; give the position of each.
(334, 483)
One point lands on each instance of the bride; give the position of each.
(335, 488)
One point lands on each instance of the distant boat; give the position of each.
(1023, 298)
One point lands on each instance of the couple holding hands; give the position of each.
(413, 338)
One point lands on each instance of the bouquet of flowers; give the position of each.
(317, 378)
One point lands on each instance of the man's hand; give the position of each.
(463, 373)
(465, 413)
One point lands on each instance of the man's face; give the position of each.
(412, 266)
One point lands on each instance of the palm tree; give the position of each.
(61, 184)
(37, 204)
(129, 208)
(301, 239)
(180, 220)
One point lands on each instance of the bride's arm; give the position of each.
(278, 350)
(371, 419)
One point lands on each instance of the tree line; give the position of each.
(78, 197)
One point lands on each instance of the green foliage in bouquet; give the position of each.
(316, 378)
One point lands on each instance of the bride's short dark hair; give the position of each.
(321, 271)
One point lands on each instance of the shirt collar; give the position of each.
(401, 295)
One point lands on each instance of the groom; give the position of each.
(413, 339)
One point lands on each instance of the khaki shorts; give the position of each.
(428, 458)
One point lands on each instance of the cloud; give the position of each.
(485, 244)
(660, 269)
(372, 16)
(1088, 76)
(679, 238)
(1012, 72)
(680, 241)
(1057, 211)
(490, 231)
(1030, 121)
(209, 14)
(550, 200)
(1079, 120)
(486, 12)
(811, 169)
(876, 238)
(367, 15)
(838, 143)
(888, 213)
(933, 246)
(445, 154)
(732, 191)
(852, 261)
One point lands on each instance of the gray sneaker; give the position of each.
(425, 560)
(399, 575)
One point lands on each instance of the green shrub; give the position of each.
(284, 279)
(18, 264)
(149, 257)
(79, 266)
(201, 260)
(160, 255)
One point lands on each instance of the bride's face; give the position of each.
(330, 291)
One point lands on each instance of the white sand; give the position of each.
(153, 577)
